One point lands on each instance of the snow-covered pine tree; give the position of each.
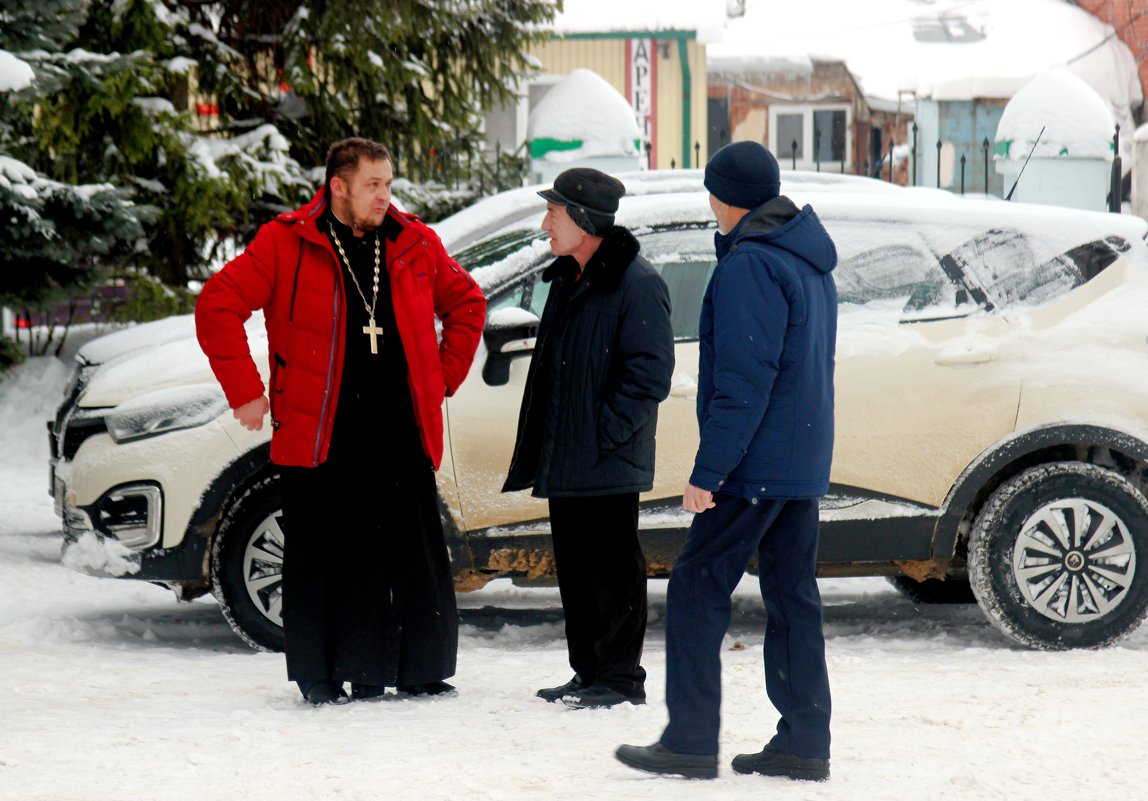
(102, 110)
(57, 237)
(414, 74)
(118, 83)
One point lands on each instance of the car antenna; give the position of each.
(1026, 158)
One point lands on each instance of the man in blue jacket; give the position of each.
(765, 409)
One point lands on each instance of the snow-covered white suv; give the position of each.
(992, 416)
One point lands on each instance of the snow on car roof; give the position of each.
(945, 220)
(873, 200)
(492, 214)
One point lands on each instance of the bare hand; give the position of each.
(696, 499)
(250, 415)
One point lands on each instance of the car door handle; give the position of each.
(518, 345)
(967, 354)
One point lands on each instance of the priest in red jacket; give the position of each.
(350, 288)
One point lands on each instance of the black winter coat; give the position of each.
(602, 363)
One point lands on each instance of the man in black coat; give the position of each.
(602, 364)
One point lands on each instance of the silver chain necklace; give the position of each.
(370, 329)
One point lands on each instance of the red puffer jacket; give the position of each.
(291, 272)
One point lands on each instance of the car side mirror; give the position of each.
(509, 333)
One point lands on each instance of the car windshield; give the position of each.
(1009, 269)
(496, 249)
(891, 265)
(937, 272)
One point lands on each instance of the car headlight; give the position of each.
(166, 410)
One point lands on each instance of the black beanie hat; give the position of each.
(590, 197)
(743, 175)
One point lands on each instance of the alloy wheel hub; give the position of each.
(263, 569)
(1074, 560)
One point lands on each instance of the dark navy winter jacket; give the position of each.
(768, 332)
(603, 362)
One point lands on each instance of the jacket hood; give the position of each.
(779, 223)
(606, 266)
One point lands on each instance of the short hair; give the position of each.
(343, 157)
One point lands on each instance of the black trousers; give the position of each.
(368, 591)
(602, 581)
(784, 534)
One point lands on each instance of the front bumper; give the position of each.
(117, 523)
(118, 536)
(131, 514)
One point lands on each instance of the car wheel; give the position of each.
(935, 591)
(247, 566)
(1053, 557)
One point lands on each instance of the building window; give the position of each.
(821, 133)
(790, 129)
(829, 135)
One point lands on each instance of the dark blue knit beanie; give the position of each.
(743, 175)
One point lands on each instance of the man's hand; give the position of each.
(696, 499)
(250, 414)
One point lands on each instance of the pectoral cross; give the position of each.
(373, 331)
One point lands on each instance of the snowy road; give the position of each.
(113, 691)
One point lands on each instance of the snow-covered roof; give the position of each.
(583, 109)
(945, 49)
(1074, 118)
(704, 17)
(14, 73)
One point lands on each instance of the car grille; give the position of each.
(77, 430)
(72, 425)
(77, 382)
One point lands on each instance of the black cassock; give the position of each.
(368, 594)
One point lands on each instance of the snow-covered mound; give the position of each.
(1075, 120)
(583, 108)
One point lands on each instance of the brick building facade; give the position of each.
(1130, 19)
(812, 115)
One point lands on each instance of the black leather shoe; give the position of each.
(600, 697)
(320, 693)
(430, 688)
(657, 758)
(771, 762)
(552, 694)
(367, 692)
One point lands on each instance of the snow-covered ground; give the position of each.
(111, 691)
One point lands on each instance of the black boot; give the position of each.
(323, 692)
(552, 694)
(429, 688)
(601, 697)
(657, 758)
(771, 762)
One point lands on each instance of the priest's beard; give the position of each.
(346, 214)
